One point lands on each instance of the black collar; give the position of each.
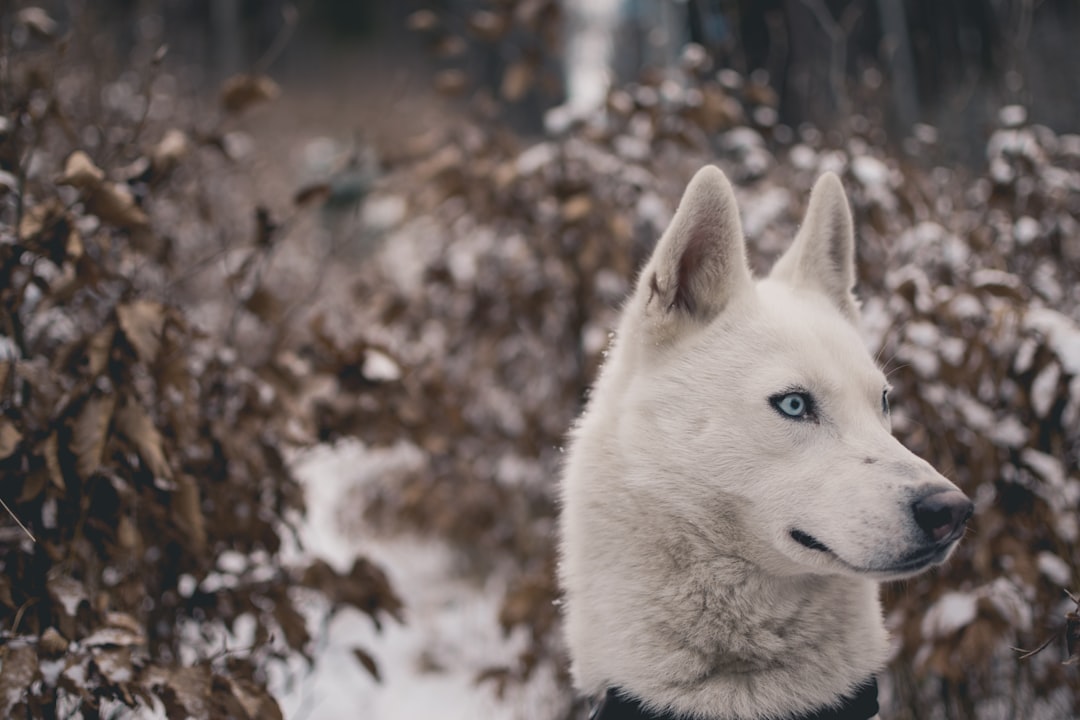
(863, 705)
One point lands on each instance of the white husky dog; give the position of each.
(732, 495)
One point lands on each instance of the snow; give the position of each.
(1061, 492)
(1009, 432)
(8, 349)
(802, 157)
(1046, 466)
(1008, 599)
(632, 148)
(988, 277)
(1054, 568)
(953, 611)
(1044, 389)
(1061, 333)
(1019, 143)
(748, 148)
(69, 593)
(232, 562)
(383, 212)
(976, 415)
(653, 210)
(536, 157)
(1012, 115)
(869, 171)
(379, 366)
(1025, 355)
(430, 663)
(965, 306)
(1026, 230)
(764, 210)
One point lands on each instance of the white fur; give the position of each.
(682, 483)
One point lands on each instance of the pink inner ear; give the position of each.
(693, 257)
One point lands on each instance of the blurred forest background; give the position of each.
(233, 232)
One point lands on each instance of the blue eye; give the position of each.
(794, 405)
(885, 401)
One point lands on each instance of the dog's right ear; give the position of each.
(700, 262)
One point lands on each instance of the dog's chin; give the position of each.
(910, 564)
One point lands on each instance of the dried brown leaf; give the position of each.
(368, 662)
(143, 323)
(114, 637)
(5, 592)
(81, 172)
(33, 486)
(451, 82)
(52, 644)
(449, 46)
(18, 669)
(127, 535)
(10, 437)
(1000, 284)
(38, 22)
(135, 424)
(265, 305)
(310, 194)
(89, 433)
(224, 702)
(41, 217)
(169, 151)
(113, 663)
(293, 625)
(51, 450)
(517, 80)
(367, 588)
(67, 593)
(256, 701)
(183, 690)
(576, 208)
(115, 204)
(487, 25)
(123, 621)
(98, 349)
(241, 92)
(187, 510)
(74, 247)
(422, 20)
(761, 94)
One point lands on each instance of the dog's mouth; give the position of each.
(810, 542)
(919, 560)
(915, 562)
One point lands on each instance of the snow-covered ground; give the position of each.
(428, 665)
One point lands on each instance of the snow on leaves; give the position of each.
(135, 450)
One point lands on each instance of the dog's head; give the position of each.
(759, 397)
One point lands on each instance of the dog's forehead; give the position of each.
(795, 336)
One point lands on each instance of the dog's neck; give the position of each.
(861, 705)
(667, 619)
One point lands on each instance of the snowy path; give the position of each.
(428, 665)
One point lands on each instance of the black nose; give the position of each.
(943, 514)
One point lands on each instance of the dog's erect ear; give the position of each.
(700, 262)
(823, 254)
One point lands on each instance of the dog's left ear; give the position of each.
(823, 254)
